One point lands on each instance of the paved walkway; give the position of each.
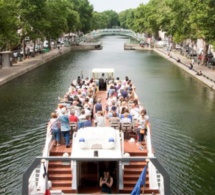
(21, 67)
(208, 75)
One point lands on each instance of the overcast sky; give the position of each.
(116, 5)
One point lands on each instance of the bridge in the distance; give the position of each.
(122, 32)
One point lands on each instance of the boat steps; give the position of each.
(64, 170)
(128, 190)
(134, 167)
(143, 163)
(142, 153)
(131, 177)
(133, 183)
(59, 176)
(58, 164)
(58, 153)
(62, 183)
(132, 170)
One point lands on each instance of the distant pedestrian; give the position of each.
(198, 61)
(59, 49)
(199, 73)
(178, 60)
(192, 61)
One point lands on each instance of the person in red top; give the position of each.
(72, 117)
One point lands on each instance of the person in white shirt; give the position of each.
(82, 117)
(134, 111)
(100, 119)
(142, 122)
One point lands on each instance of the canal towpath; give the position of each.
(21, 67)
(208, 74)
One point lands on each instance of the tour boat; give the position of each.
(77, 169)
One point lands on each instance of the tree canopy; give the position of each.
(49, 19)
(41, 19)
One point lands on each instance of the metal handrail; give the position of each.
(45, 153)
(154, 161)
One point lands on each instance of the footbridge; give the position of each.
(107, 32)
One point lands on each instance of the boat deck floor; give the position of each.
(129, 147)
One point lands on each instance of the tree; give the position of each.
(55, 24)
(112, 18)
(32, 14)
(202, 21)
(99, 20)
(85, 10)
(9, 37)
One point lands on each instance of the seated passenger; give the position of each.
(125, 118)
(88, 122)
(111, 110)
(72, 117)
(100, 119)
(111, 99)
(127, 113)
(98, 106)
(82, 117)
(106, 182)
(135, 112)
(114, 118)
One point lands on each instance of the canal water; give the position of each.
(181, 111)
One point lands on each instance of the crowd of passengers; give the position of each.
(81, 106)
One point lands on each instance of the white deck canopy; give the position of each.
(97, 72)
(104, 140)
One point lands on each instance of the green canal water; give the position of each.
(181, 111)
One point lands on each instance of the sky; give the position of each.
(115, 5)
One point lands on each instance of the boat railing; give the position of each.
(149, 141)
(155, 178)
(46, 152)
(121, 164)
(122, 141)
(121, 160)
(160, 183)
(33, 181)
(74, 166)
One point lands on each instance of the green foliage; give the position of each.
(112, 18)
(85, 11)
(8, 25)
(106, 19)
(49, 19)
(202, 20)
(55, 24)
(41, 19)
(99, 21)
(127, 19)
